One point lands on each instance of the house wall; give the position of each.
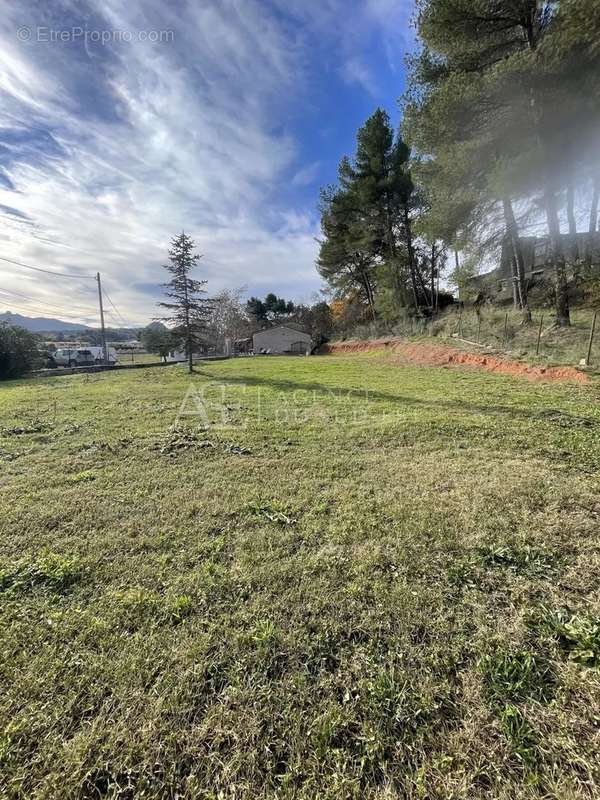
(498, 283)
(279, 340)
(536, 252)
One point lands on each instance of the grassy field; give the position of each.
(361, 581)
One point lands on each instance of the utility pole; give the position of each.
(102, 331)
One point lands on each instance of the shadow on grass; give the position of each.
(542, 413)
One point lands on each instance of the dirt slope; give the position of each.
(439, 355)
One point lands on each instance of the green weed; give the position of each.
(521, 560)
(50, 570)
(577, 634)
(522, 737)
(273, 513)
(85, 476)
(518, 676)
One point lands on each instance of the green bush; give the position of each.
(19, 352)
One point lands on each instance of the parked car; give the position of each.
(74, 358)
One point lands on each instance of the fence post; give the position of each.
(505, 329)
(478, 327)
(460, 323)
(539, 336)
(591, 341)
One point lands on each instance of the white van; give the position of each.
(82, 356)
(73, 357)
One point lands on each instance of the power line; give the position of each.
(38, 311)
(8, 302)
(116, 323)
(50, 305)
(63, 275)
(47, 271)
(115, 308)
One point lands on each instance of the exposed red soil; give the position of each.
(439, 355)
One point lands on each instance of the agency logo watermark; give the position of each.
(78, 34)
(222, 407)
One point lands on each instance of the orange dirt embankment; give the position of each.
(439, 355)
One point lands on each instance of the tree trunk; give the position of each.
(411, 255)
(563, 317)
(515, 282)
(364, 279)
(371, 299)
(561, 285)
(433, 263)
(528, 25)
(391, 243)
(574, 250)
(397, 280)
(188, 328)
(518, 261)
(593, 226)
(422, 284)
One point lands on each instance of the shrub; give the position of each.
(19, 352)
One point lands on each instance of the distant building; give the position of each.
(177, 355)
(130, 344)
(286, 339)
(239, 346)
(498, 284)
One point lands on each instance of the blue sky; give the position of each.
(226, 126)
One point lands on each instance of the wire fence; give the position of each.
(136, 357)
(506, 331)
(80, 356)
(503, 331)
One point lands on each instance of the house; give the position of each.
(179, 355)
(499, 284)
(239, 347)
(288, 338)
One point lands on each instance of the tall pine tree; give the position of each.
(188, 310)
(368, 219)
(453, 115)
(513, 83)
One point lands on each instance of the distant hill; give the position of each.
(70, 329)
(41, 324)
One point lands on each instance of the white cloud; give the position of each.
(394, 21)
(307, 175)
(130, 143)
(356, 71)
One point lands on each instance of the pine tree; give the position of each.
(346, 254)
(513, 82)
(188, 311)
(452, 116)
(368, 219)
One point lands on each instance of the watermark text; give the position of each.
(78, 34)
